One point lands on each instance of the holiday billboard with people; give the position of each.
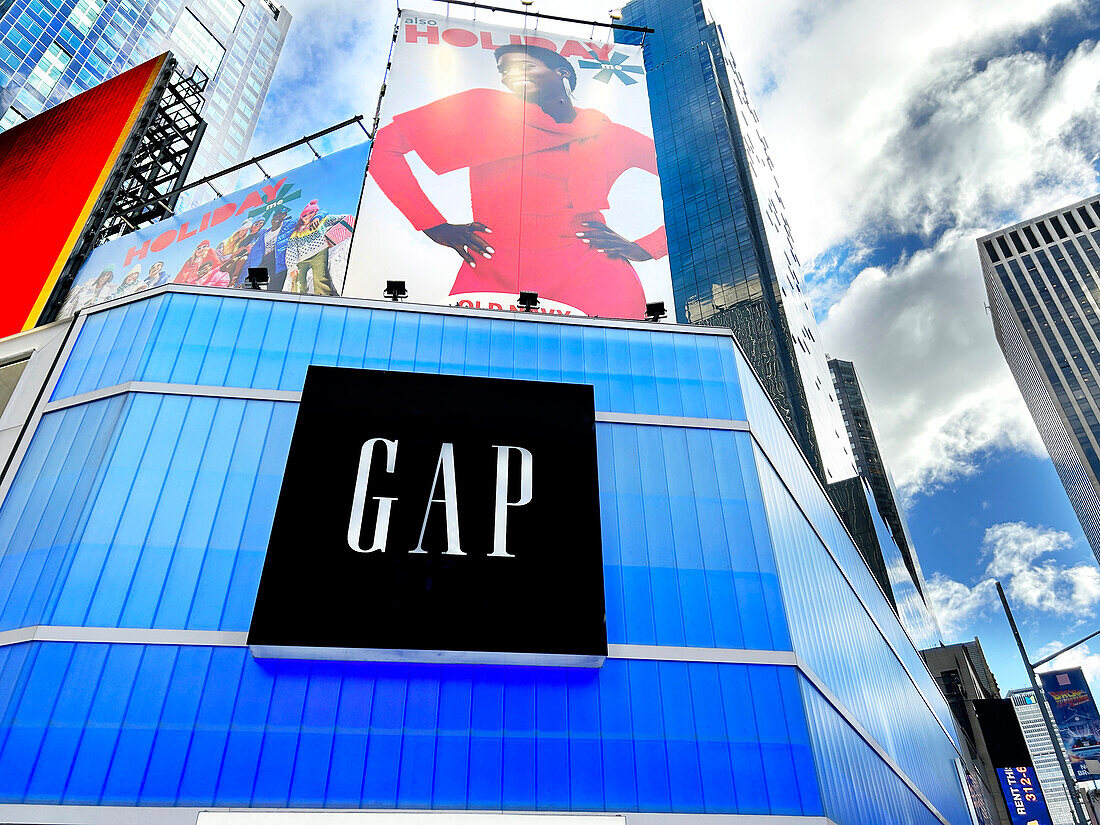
(513, 160)
(297, 226)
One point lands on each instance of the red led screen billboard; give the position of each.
(53, 169)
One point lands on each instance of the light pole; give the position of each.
(1040, 700)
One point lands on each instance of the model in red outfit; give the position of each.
(203, 254)
(540, 174)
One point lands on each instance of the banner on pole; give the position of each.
(1077, 720)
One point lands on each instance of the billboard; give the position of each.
(53, 169)
(508, 162)
(1026, 805)
(297, 225)
(1076, 718)
(430, 541)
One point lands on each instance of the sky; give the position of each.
(900, 132)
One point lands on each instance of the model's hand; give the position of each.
(463, 239)
(611, 243)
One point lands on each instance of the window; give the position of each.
(11, 118)
(196, 41)
(10, 58)
(9, 377)
(84, 14)
(44, 76)
(158, 20)
(31, 24)
(227, 11)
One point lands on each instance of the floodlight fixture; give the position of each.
(257, 276)
(395, 290)
(528, 300)
(655, 311)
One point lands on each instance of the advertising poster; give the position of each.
(513, 160)
(1026, 805)
(1076, 718)
(297, 225)
(53, 170)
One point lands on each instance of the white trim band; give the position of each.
(295, 397)
(135, 815)
(642, 419)
(124, 635)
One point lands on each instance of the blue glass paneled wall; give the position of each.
(755, 666)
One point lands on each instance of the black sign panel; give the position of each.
(436, 518)
(1001, 730)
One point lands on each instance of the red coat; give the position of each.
(533, 182)
(189, 273)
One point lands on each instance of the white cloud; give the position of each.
(921, 121)
(939, 391)
(1081, 657)
(1024, 558)
(865, 103)
(956, 606)
(331, 68)
(1018, 554)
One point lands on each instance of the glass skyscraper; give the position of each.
(1043, 280)
(734, 265)
(902, 577)
(730, 246)
(51, 50)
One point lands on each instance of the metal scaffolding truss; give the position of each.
(144, 184)
(161, 160)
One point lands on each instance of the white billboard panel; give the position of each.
(509, 161)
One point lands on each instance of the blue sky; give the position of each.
(900, 133)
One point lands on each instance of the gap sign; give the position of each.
(436, 518)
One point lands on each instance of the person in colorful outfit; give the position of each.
(94, 291)
(203, 254)
(156, 276)
(208, 276)
(540, 172)
(307, 250)
(269, 250)
(131, 283)
(234, 265)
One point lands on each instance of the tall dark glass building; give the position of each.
(734, 265)
(869, 507)
(869, 461)
(730, 246)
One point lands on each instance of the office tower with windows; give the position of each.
(1043, 280)
(51, 50)
(1042, 755)
(730, 246)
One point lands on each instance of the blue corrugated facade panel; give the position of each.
(755, 667)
